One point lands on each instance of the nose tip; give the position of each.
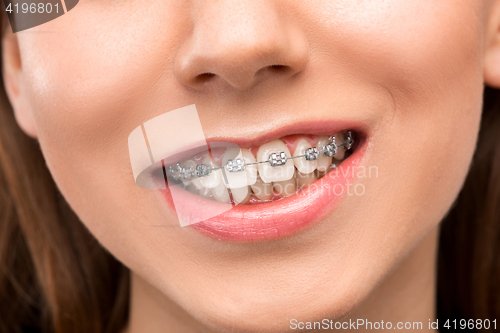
(240, 49)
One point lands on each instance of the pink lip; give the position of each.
(272, 220)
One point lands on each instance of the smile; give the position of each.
(275, 189)
(240, 176)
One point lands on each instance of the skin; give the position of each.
(412, 70)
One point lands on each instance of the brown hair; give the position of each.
(56, 277)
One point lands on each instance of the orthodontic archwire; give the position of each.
(275, 159)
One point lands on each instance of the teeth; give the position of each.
(205, 192)
(193, 189)
(195, 181)
(263, 191)
(339, 138)
(273, 171)
(320, 174)
(303, 165)
(304, 180)
(241, 195)
(335, 163)
(221, 194)
(215, 176)
(239, 178)
(239, 181)
(190, 164)
(286, 188)
(278, 173)
(323, 161)
(250, 170)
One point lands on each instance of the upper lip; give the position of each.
(327, 127)
(319, 128)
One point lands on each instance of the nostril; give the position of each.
(279, 68)
(204, 77)
(273, 70)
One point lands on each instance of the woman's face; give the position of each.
(409, 73)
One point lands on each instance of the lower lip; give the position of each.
(282, 218)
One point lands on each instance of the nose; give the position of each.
(239, 44)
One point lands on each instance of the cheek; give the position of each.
(96, 85)
(89, 85)
(431, 65)
(438, 100)
(411, 48)
(420, 53)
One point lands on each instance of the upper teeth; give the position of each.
(235, 160)
(311, 154)
(276, 165)
(277, 158)
(330, 149)
(309, 163)
(235, 165)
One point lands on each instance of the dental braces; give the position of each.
(178, 172)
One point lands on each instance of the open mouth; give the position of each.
(273, 190)
(266, 173)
